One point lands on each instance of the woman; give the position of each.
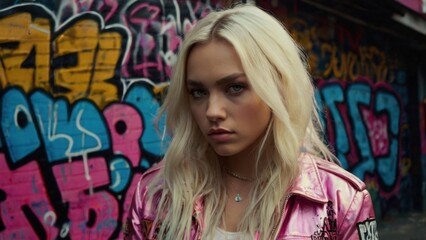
(246, 160)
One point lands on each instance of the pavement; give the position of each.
(405, 226)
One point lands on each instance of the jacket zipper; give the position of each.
(277, 226)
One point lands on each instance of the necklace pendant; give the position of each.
(238, 198)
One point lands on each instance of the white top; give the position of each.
(221, 234)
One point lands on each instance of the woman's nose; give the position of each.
(215, 108)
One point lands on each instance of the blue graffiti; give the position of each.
(120, 173)
(350, 100)
(17, 124)
(333, 95)
(145, 163)
(360, 94)
(68, 133)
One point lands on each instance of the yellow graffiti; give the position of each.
(97, 55)
(373, 63)
(24, 51)
(368, 62)
(87, 58)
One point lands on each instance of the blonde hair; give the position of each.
(274, 66)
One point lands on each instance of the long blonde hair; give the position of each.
(275, 68)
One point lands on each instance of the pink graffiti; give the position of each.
(157, 30)
(157, 40)
(109, 7)
(126, 142)
(24, 187)
(73, 185)
(377, 132)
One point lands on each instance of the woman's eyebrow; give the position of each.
(193, 83)
(222, 81)
(229, 78)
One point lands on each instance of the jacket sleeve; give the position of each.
(359, 222)
(132, 228)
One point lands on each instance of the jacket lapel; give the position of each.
(308, 184)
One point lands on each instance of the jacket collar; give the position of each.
(308, 184)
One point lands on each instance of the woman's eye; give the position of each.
(198, 93)
(236, 88)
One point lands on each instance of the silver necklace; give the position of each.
(245, 179)
(238, 197)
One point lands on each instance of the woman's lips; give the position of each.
(219, 135)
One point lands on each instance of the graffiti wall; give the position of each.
(81, 83)
(362, 90)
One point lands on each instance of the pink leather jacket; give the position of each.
(325, 202)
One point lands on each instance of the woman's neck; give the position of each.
(240, 165)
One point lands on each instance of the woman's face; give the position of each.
(229, 113)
